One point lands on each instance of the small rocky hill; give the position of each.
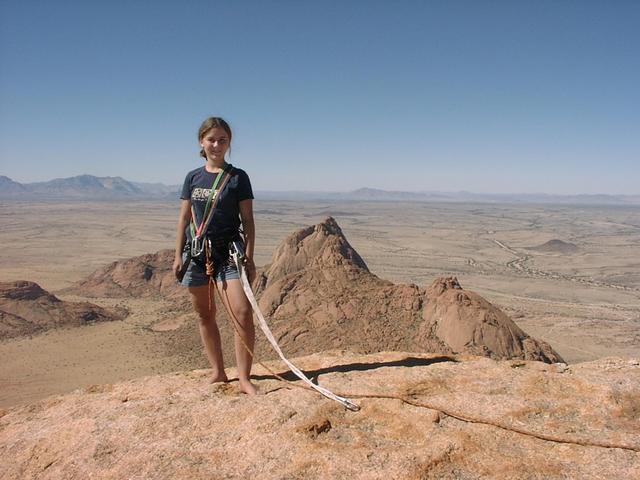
(555, 246)
(26, 308)
(422, 416)
(146, 275)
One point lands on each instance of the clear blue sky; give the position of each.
(484, 96)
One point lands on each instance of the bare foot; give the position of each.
(247, 387)
(219, 378)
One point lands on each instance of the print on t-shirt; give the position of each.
(202, 194)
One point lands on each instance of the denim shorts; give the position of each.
(196, 276)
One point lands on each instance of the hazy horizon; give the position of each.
(360, 189)
(328, 96)
(364, 187)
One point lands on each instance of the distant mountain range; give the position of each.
(113, 188)
(462, 196)
(375, 195)
(85, 187)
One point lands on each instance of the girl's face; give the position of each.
(215, 143)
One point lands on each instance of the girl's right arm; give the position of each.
(183, 220)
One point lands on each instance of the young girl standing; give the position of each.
(217, 207)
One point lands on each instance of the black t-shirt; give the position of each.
(226, 215)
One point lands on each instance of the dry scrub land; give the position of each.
(567, 275)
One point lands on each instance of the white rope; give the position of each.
(265, 328)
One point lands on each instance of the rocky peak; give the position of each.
(321, 245)
(442, 284)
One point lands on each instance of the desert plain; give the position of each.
(568, 275)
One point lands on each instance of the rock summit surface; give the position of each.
(422, 416)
